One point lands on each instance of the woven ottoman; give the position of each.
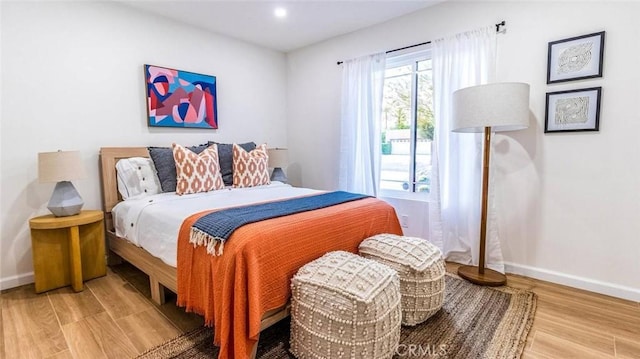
(421, 269)
(345, 306)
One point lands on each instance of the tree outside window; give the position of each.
(407, 124)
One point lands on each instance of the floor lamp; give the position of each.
(485, 108)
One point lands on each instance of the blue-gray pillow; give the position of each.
(166, 166)
(225, 158)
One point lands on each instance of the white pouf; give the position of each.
(421, 268)
(345, 306)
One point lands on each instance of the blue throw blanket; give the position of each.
(217, 227)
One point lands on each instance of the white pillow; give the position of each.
(137, 177)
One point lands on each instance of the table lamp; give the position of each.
(485, 108)
(62, 167)
(278, 159)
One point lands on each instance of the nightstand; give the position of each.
(67, 250)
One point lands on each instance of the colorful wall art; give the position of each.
(178, 98)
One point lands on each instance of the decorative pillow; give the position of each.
(137, 178)
(225, 152)
(197, 172)
(166, 166)
(250, 169)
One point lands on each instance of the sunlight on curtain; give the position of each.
(459, 61)
(362, 85)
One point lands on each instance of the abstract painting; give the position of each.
(575, 58)
(178, 98)
(575, 110)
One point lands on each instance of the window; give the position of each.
(407, 123)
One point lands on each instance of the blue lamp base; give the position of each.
(65, 200)
(278, 175)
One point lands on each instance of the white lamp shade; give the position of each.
(501, 106)
(278, 157)
(60, 166)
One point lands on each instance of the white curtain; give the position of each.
(460, 61)
(362, 85)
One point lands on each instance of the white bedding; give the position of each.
(153, 222)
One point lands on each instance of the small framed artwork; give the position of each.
(575, 58)
(574, 110)
(177, 98)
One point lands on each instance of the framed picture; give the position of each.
(575, 58)
(574, 110)
(177, 98)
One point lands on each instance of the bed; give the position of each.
(244, 290)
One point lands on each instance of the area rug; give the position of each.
(475, 322)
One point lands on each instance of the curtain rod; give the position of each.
(503, 23)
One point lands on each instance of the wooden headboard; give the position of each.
(108, 158)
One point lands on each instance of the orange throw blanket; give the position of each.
(253, 276)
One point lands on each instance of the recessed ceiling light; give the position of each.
(280, 12)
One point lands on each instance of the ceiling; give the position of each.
(306, 23)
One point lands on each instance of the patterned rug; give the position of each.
(475, 322)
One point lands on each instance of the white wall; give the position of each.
(569, 204)
(72, 79)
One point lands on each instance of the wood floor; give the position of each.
(115, 318)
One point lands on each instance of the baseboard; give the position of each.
(16, 280)
(591, 285)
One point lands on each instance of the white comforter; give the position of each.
(153, 222)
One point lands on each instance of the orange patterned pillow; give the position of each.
(250, 169)
(197, 172)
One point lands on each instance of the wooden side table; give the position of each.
(67, 250)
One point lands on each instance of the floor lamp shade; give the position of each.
(501, 106)
(278, 159)
(486, 108)
(62, 167)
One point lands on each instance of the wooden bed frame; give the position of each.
(161, 275)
